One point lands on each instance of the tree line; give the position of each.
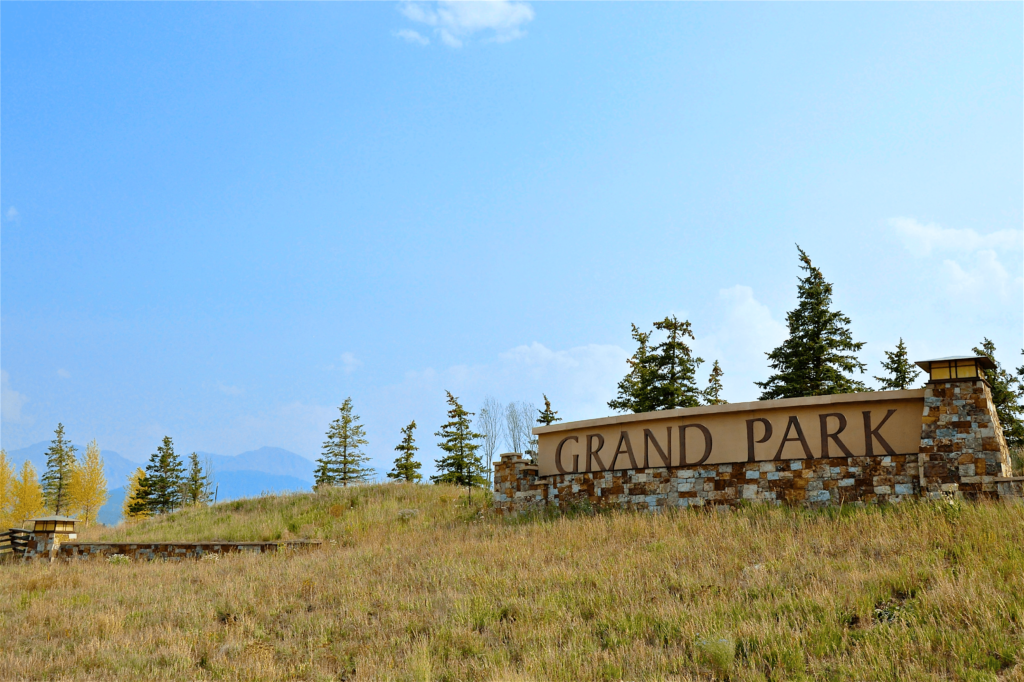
(167, 485)
(70, 486)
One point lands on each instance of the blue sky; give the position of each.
(219, 220)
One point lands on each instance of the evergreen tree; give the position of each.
(406, 467)
(6, 491)
(460, 464)
(902, 372)
(136, 497)
(342, 460)
(1006, 390)
(662, 377)
(60, 462)
(713, 393)
(162, 485)
(819, 352)
(635, 389)
(27, 494)
(196, 485)
(89, 485)
(547, 415)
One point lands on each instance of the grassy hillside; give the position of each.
(917, 592)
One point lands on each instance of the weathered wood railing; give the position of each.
(13, 542)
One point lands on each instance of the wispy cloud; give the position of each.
(348, 363)
(229, 390)
(921, 239)
(411, 36)
(454, 22)
(63, 373)
(11, 401)
(972, 264)
(12, 214)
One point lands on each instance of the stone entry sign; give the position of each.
(882, 423)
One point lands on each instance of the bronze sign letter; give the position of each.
(750, 436)
(793, 424)
(825, 435)
(869, 448)
(591, 452)
(558, 456)
(649, 438)
(682, 443)
(624, 438)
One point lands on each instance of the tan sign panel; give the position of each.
(851, 425)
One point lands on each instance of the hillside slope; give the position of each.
(917, 592)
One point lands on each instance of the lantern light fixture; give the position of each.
(956, 368)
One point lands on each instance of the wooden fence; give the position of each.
(13, 542)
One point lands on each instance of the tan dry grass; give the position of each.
(917, 592)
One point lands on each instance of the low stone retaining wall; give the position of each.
(174, 551)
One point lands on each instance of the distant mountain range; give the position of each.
(245, 475)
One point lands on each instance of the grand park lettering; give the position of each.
(779, 430)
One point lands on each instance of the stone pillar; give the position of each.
(515, 484)
(963, 451)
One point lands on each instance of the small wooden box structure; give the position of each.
(57, 526)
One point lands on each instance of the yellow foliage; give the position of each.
(88, 485)
(130, 491)
(6, 490)
(27, 495)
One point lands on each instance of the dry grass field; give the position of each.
(924, 591)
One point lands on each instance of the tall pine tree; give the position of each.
(902, 373)
(661, 377)
(162, 485)
(60, 466)
(460, 464)
(713, 393)
(819, 353)
(406, 467)
(547, 415)
(1006, 390)
(341, 463)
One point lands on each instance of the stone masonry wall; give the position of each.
(41, 548)
(962, 451)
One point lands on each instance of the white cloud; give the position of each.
(455, 21)
(63, 373)
(922, 239)
(411, 36)
(745, 332)
(11, 401)
(229, 390)
(347, 364)
(972, 267)
(12, 214)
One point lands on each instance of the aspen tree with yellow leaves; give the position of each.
(6, 491)
(135, 505)
(27, 494)
(88, 485)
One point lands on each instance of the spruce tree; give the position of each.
(460, 464)
(1006, 391)
(819, 353)
(713, 393)
(163, 483)
(406, 467)
(341, 463)
(902, 373)
(660, 377)
(635, 389)
(60, 464)
(196, 485)
(547, 415)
